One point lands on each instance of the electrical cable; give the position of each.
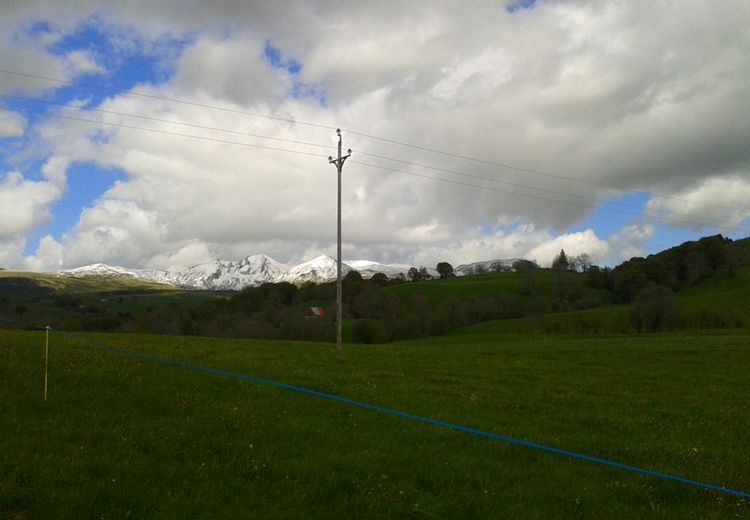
(165, 98)
(525, 186)
(365, 135)
(169, 121)
(559, 201)
(165, 132)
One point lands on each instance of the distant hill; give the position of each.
(679, 267)
(44, 283)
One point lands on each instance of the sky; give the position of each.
(155, 134)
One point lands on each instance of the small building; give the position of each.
(315, 312)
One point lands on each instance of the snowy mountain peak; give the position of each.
(99, 271)
(318, 270)
(254, 270)
(229, 275)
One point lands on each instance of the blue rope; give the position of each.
(417, 418)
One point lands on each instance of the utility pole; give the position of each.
(339, 162)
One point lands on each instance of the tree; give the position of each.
(414, 275)
(424, 274)
(523, 266)
(379, 279)
(445, 270)
(655, 309)
(584, 261)
(560, 263)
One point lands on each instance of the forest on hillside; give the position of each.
(381, 310)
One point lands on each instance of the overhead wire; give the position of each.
(299, 152)
(557, 201)
(525, 186)
(165, 132)
(528, 170)
(166, 98)
(353, 132)
(169, 121)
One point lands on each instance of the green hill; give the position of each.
(45, 282)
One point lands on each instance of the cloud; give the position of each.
(11, 252)
(191, 254)
(81, 62)
(722, 200)
(24, 204)
(11, 124)
(630, 241)
(47, 258)
(520, 241)
(616, 94)
(574, 244)
(232, 70)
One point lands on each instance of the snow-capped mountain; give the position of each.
(225, 275)
(318, 270)
(368, 268)
(488, 266)
(100, 271)
(229, 275)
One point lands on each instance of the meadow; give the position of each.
(123, 437)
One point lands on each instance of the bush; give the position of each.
(370, 331)
(655, 309)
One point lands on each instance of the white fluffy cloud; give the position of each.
(48, 256)
(637, 95)
(630, 240)
(11, 124)
(24, 204)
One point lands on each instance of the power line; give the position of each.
(520, 169)
(558, 201)
(169, 121)
(225, 141)
(165, 132)
(525, 186)
(361, 134)
(165, 98)
(490, 179)
(202, 127)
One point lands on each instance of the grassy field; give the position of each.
(127, 438)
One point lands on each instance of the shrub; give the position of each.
(370, 331)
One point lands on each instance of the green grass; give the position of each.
(720, 293)
(122, 437)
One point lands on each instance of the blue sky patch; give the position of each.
(520, 5)
(126, 65)
(87, 183)
(277, 59)
(611, 216)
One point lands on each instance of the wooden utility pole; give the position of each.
(46, 359)
(339, 162)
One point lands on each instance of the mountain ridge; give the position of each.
(254, 270)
